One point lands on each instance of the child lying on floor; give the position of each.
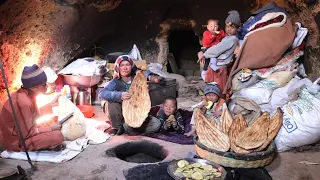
(171, 119)
(211, 106)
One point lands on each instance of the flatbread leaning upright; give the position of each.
(136, 109)
(255, 135)
(209, 135)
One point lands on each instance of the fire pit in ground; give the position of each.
(139, 152)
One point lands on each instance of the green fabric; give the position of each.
(127, 85)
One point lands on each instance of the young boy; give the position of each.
(171, 120)
(222, 54)
(212, 36)
(211, 106)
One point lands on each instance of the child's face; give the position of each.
(212, 26)
(231, 29)
(212, 97)
(169, 107)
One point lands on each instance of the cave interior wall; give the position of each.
(54, 33)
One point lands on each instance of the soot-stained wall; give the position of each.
(53, 33)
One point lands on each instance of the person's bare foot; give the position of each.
(103, 127)
(191, 133)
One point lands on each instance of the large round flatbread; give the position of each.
(237, 126)
(209, 135)
(274, 127)
(254, 135)
(226, 120)
(136, 109)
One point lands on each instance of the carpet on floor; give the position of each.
(173, 136)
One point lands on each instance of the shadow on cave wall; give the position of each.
(184, 45)
(138, 22)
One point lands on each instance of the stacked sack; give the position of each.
(267, 73)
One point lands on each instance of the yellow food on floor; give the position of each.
(196, 171)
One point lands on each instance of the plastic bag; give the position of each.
(258, 95)
(74, 127)
(156, 68)
(276, 80)
(237, 85)
(135, 53)
(84, 67)
(280, 96)
(301, 122)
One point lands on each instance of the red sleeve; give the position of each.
(207, 39)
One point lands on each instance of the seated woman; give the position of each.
(117, 91)
(24, 103)
(171, 119)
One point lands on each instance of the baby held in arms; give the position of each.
(211, 106)
(171, 119)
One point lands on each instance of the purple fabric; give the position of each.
(173, 136)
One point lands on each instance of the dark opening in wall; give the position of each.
(184, 45)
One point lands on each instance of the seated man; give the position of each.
(117, 91)
(24, 102)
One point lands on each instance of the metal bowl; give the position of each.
(173, 166)
(85, 81)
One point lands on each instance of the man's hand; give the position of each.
(125, 96)
(55, 126)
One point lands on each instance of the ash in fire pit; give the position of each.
(139, 152)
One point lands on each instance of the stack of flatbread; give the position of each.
(136, 109)
(236, 134)
(209, 135)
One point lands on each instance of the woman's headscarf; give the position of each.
(116, 73)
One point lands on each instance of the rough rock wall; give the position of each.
(53, 33)
(40, 32)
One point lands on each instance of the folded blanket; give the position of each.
(73, 148)
(274, 19)
(263, 49)
(288, 59)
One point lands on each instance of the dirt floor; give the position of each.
(94, 163)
